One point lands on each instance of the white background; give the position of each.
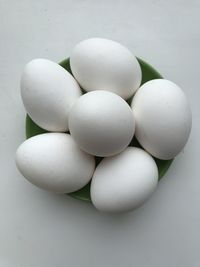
(40, 229)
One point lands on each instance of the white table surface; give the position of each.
(40, 229)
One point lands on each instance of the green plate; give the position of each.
(148, 73)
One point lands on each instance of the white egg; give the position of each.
(102, 64)
(48, 91)
(125, 181)
(101, 123)
(163, 118)
(53, 162)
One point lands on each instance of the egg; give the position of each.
(101, 123)
(163, 118)
(48, 91)
(102, 64)
(125, 181)
(53, 161)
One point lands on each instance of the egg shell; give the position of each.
(101, 123)
(125, 181)
(163, 118)
(102, 64)
(53, 161)
(48, 92)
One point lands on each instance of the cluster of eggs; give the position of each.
(100, 123)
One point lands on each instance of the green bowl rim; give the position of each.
(162, 171)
